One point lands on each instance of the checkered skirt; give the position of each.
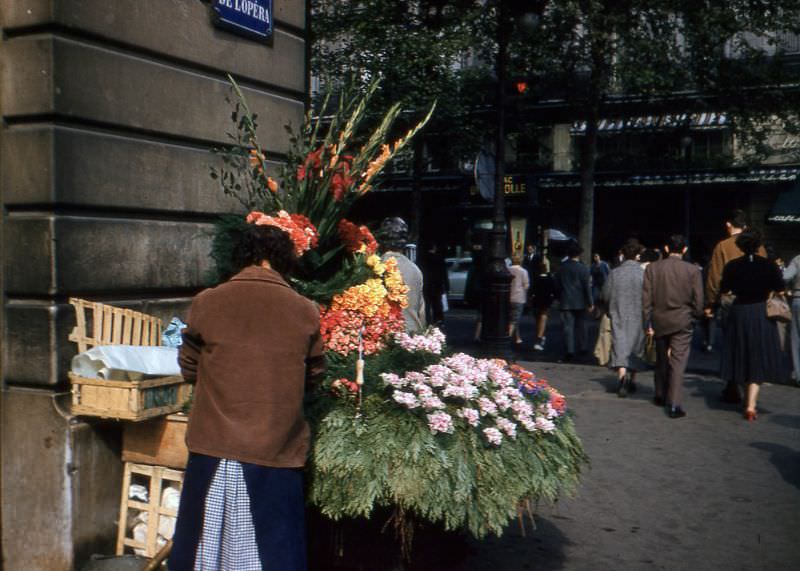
(228, 542)
(236, 516)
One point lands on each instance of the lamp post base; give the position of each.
(496, 339)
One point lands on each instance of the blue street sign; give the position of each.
(247, 17)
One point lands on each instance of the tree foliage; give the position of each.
(419, 49)
(657, 52)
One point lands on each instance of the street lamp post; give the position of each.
(686, 144)
(495, 311)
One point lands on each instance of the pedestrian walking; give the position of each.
(623, 295)
(475, 290)
(599, 271)
(542, 297)
(393, 239)
(784, 341)
(573, 288)
(751, 353)
(672, 300)
(648, 256)
(717, 305)
(435, 283)
(791, 275)
(520, 282)
(531, 260)
(250, 347)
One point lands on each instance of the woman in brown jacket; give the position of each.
(251, 345)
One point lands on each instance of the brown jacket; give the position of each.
(725, 251)
(672, 295)
(250, 345)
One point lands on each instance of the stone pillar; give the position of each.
(109, 112)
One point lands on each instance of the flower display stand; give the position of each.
(124, 400)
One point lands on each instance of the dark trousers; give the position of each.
(672, 356)
(434, 311)
(574, 322)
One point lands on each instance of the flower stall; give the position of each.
(400, 423)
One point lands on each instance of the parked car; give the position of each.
(457, 269)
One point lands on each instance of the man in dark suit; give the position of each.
(672, 300)
(574, 291)
(531, 260)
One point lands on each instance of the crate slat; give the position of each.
(160, 477)
(127, 326)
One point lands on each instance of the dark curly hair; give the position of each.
(650, 255)
(631, 249)
(258, 243)
(738, 218)
(676, 243)
(574, 249)
(749, 241)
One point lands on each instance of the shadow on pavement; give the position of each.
(609, 382)
(787, 420)
(363, 545)
(539, 550)
(786, 460)
(710, 390)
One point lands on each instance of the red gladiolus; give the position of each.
(357, 238)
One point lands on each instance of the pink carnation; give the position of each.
(507, 426)
(471, 415)
(545, 425)
(440, 422)
(408, 400)
(493, 436)
(487, 406)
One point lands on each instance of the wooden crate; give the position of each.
(158, 441)
(157, 477)
(126, 400)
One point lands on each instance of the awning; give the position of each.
(786, 209)
(782, 174)
(667, 121)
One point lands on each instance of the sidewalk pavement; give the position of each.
(706, 492)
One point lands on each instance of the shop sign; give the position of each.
(515, 184)
(251, 18)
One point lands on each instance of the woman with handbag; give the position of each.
(791, 275)
(751, 353)
(623, 293)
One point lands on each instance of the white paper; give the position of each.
(126, 362)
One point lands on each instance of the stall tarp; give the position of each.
(786, 209)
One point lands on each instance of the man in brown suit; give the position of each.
(672, 299)
(725, 251)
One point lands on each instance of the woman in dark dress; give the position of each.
(751, 353)
(543, 294)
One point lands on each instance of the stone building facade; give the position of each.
(109, 111)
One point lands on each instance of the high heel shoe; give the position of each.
(750, 415)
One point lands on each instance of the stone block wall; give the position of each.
(109, 112)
